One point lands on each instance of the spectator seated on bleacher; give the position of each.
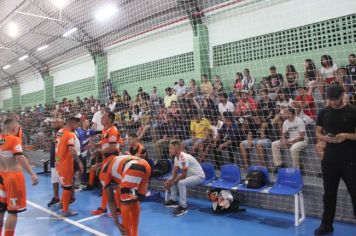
(305, 102)
(211, 140)
(169, 98)
(199, 129)
(273, 82)
(206, 87)
(245, 104)
(293, 138)
(225, 105)
(266, 105)
(168, 131)
(230, 136)
(258, 138)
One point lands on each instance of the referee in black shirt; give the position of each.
(338, 122)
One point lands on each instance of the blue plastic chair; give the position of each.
(289, 182)
(230, 177)
(267, 180)
(209, 171)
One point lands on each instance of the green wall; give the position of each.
(32, 99)
(160, 73)
(82, 88)
(7, 104)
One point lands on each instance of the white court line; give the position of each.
(79, 225)
(89, 218)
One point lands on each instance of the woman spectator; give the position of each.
(237, 86)
(291, 80)
(217, 87)
(328, 69)
(312, 77)
(245, 104)
(126, 97)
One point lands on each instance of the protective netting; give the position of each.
(226, 98)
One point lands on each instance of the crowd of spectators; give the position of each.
(210, 117)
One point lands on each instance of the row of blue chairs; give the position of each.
(289, 183)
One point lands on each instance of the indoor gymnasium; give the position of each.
(178, 117)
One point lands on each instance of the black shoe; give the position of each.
(53, 202)
(180, 211)
(323, 230)
(171, 203)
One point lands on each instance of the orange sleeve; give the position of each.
(16, 146)
(70, 139)
(105, 176)
(113, 136)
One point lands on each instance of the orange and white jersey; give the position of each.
(64, 139)
(110, 136)
(129, 172)
(10, 146)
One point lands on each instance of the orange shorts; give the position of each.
(66, 175)
(12, 192)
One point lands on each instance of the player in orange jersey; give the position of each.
(66, 154)
(108, 147)
(131, 174)
(12, 180)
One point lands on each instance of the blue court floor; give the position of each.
(156, 220)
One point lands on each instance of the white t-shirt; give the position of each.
(294, 128)
(328, 72)
(97, 119)
(187, 160)
(181, 90)
(227, 107)
(112, 106)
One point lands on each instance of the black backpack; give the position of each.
(255, 180)
(160, 168)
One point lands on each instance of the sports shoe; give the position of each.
(53, 202)
(323, 230)
(69, 213)
(171, 203)
(180, 211)
(99, 211)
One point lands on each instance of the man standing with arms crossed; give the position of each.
(338, 122)
(12, 181)
(108, 147)
(66, 154)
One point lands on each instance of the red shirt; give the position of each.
(310, 110)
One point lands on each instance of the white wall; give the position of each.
(33, 84)
(5, 94)
(72, 71)
(171, 42)
(270, 16)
